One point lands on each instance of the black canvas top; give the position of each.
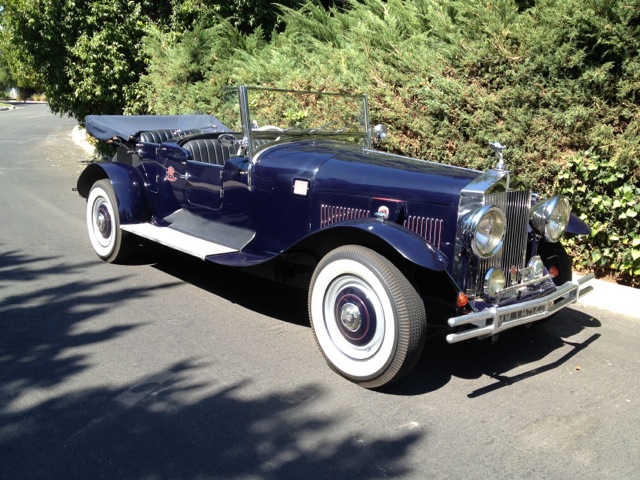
(105, 127)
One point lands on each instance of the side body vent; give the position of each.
(428, 228)
(330, 214)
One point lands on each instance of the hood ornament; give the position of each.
(498, 148)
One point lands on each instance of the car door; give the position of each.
(204, 185)
(174, 159)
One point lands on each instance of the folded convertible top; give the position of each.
(105, 127)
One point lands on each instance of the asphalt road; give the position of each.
(177, 369)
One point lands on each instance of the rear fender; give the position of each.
(411, 246)
(128, 185)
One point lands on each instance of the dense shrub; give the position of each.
(552, 79)
(603, 196)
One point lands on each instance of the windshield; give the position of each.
(269, 115)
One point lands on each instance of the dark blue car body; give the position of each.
(373, 236)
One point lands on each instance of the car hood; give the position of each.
(352, 169)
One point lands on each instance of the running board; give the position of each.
(177, 240)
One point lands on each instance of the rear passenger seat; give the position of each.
(156, 136)
(162, 135)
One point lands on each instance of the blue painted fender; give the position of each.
(128, 185)
(577, 226)
(411, 246)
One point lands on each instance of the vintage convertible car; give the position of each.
(286, 184)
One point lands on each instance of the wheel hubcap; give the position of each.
(101, 221)
(103, 224)
(351, 305)
(351, 317)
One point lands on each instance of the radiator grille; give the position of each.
(516, 204)
(428, 228)
(330, 214)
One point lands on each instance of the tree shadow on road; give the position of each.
(165, 425)
(155, 429)
(39, 327)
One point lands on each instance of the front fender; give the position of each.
(577, 226)
(411, 246)
(128, 185)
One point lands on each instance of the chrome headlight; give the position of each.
(551, 217)
(483, 230)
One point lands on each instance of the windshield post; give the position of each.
(367, 123)
(246, 121)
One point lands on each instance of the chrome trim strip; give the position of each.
(504, 318)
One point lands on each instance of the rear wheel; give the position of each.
(103, 222)
(368, 319)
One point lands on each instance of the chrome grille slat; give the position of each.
(428, 228)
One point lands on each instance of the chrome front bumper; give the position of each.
(499, 319)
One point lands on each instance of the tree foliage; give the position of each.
(82, 55)
(6, 78)
(86, 55)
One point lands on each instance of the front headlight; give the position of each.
(482, 230)
(551, 217)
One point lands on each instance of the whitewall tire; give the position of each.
(103, 223)
(368, 319)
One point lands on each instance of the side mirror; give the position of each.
(380, 132)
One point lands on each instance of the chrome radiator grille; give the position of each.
(512, 256)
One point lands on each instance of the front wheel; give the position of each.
(368, 319)
(103, 222)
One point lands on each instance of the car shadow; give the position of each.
(249, 291)
(440, 361)
(514, 349)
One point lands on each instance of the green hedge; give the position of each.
(602, 196)
(551, 79)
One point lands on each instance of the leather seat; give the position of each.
(156, 136)
(209, 150)
(162, 135)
